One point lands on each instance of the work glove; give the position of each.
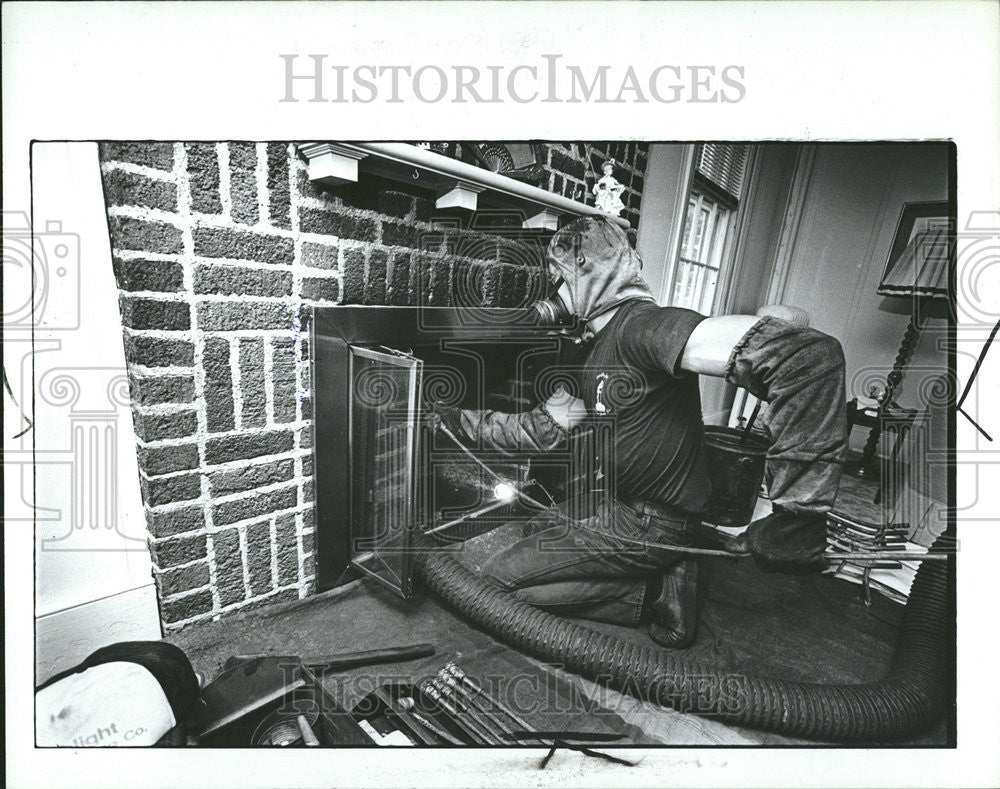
(785, 542)
(436, 415)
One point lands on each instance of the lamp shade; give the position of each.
(920, 259)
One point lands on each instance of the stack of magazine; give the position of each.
(889, 577)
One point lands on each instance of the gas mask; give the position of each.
(592, 269)
(552, 310)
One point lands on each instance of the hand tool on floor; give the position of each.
(409, 705)
(412, 727)
(476, 690)
(481, 703)
(309, 738)
(485, 722)
(347, 660)
(428, 690)
(475, 721)
(475, 734)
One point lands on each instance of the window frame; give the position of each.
(735, 226)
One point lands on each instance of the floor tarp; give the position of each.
(813, 628)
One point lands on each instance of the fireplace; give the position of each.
(381, 476)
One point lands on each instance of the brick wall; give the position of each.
(219, 250)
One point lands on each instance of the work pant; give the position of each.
(588, 567)
(799, 372)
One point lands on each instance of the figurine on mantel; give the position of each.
(607, 191)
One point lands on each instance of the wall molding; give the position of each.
(458, 184)
(732, 257)
(790, 224)
(681, 192)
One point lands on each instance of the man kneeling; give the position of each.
(616, 565)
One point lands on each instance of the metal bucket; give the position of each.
(736, 468)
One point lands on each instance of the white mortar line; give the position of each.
(184, 214)
(164, 334)
(225, 189)
(208, 221)
(232, 465)
(254, 264)
(236, 376)
(139, 254)
(159, 295)
(261, 489)
(299, 518)
(263, 220)
(167, 176)
(273, 540)
(173, 442)
(295, 202)
(298, 509)
(268, 385)
(244, 561)
(173, 627)
(149, 214)
(163, 408)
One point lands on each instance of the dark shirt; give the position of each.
(632, 375)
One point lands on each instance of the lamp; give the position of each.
(918, 267)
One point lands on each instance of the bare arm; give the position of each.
(712, 341)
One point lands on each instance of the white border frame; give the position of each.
(837, 70)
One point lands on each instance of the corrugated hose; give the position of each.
(913, 694)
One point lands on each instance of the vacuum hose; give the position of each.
(911, 697)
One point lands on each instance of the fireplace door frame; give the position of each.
(333, 330)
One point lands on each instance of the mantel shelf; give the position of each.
(458, 185)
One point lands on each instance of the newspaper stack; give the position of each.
(889, 577)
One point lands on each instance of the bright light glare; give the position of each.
(504, 492)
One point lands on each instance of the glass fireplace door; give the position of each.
(384, 417)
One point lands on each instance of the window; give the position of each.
(705, 227)
(708, 223)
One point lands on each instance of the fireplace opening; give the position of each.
(382, 477)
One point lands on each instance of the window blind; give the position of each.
(723, 164)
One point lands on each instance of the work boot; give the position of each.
(674, 613)
(785, 542)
